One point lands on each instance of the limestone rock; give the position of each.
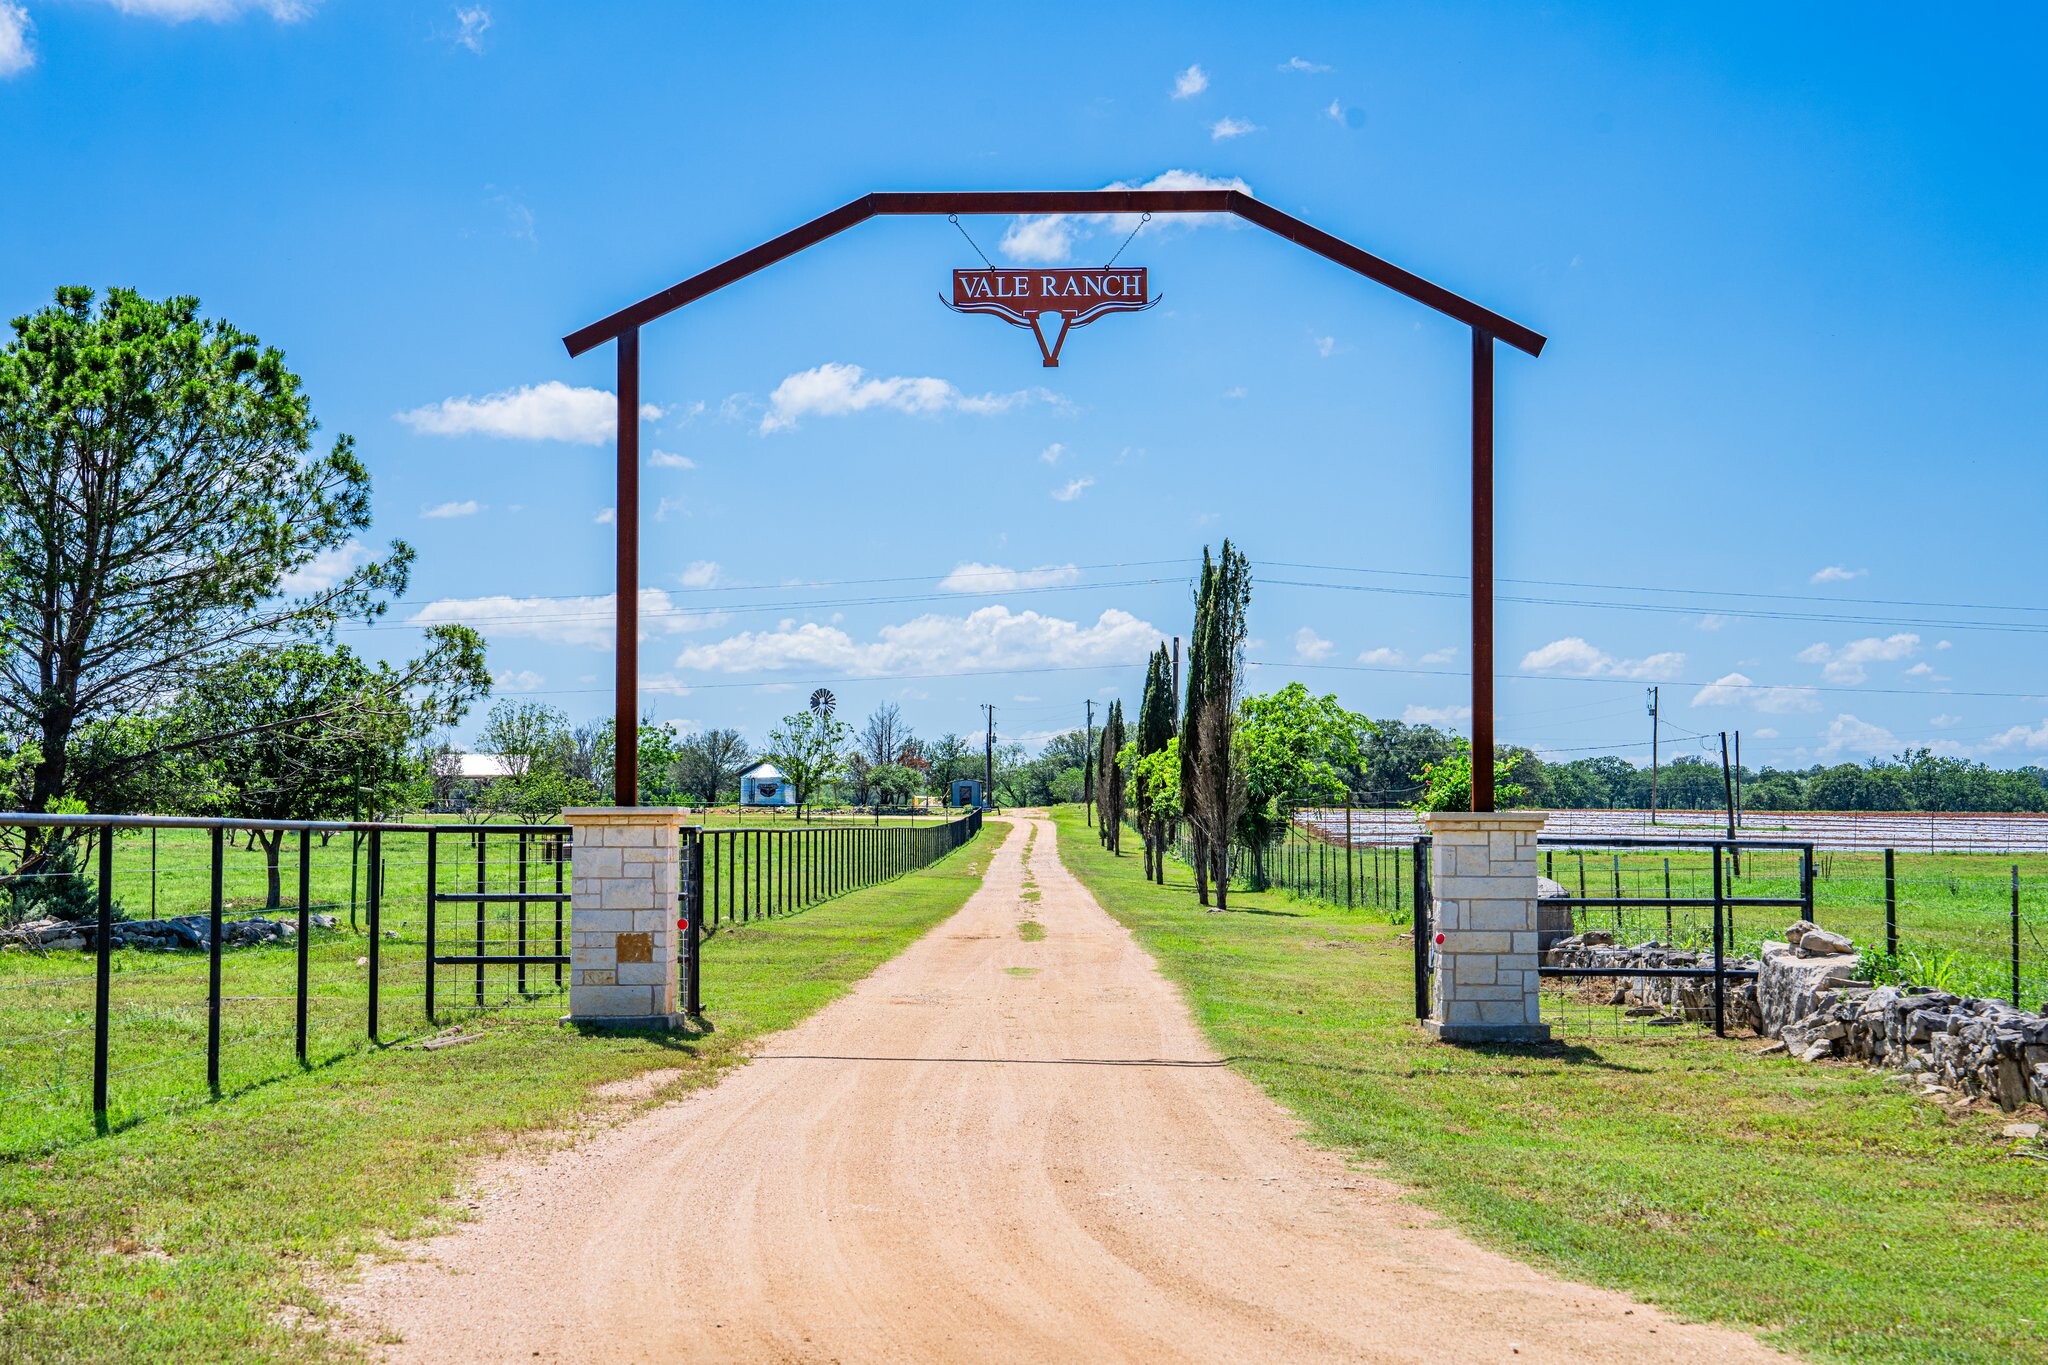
(1825, 943)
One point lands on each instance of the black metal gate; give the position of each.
(1721, 901)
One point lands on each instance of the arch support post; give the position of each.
(1482, 571)
(626, 523)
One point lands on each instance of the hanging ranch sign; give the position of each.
(1035, 298)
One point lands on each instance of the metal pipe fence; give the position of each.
(188, 959)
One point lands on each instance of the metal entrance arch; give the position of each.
(624, 327)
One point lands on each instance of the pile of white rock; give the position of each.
(182, 932)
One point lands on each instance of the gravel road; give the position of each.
(991, 1149)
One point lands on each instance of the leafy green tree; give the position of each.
(1153, 732)
(541, 756)
(707, 765)
(810, 749)
(1212, 789)
(1294, 748)
(1447, 783)
(297, 732)
(161, 507)
(895, 784)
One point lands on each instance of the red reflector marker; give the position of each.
(1439, 940)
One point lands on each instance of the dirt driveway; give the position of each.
(993, 1148)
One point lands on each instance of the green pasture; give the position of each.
(1822, 1207)
(158, 1011)
(210, 1234)
(1954, 911)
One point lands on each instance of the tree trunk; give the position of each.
(1221, 854)
(1201, 867)
(272, 840)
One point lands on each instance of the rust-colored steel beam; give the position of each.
(1482, 571)
(1056, 201)
(626, 522)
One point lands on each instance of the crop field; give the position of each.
(158, 1016)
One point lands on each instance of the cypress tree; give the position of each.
(1212, 791)
(1109, 785)
(1155, 731)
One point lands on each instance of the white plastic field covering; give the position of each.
(1907, 831)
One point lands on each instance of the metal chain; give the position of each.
(1142, 220)
(954, 219)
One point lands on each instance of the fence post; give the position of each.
(1891, 906)
(305, 933)
(2015, 935)
(561, 851)
(213, 931)
(1720, 977)
(433, 886)
(1669, 934)
(523, 843)
(103, 979)
(482, 914)
(376, 921)
(693, 936)
(1422, 937)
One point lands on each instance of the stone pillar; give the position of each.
(1482, 875)
(622, 919)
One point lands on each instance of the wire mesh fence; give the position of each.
(154, 964)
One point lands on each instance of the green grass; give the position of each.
(1820, 1206)
(204, 1236)
(1031, 931)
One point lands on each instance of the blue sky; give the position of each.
(1781, 457)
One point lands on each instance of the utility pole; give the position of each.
(1653, 755)
(988, 759)
(1088, 767)
(1176, 681)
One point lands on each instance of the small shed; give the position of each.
(965, 792)
(763, 784)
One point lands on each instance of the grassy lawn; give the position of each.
(199, 1236)
(1821, 1207)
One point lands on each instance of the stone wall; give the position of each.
(1676, 997)
(1482, 868)
(625, 878)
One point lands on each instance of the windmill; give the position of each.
(822, 702)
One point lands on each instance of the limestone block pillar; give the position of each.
(1482, 876)
(622, 915)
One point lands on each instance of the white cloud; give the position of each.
(1574, 657)
(585, 621)
(1943, 721)
(1943, 644)
(1923, 669)
(1302, 66)
(1847, 734)
(1226, 128)
(325, 569)
(1711, 621)
(1190, 83)
(1236, 391)
(1336, 110)
(1051, 454)
(1310, 647)
(1767, 732)
(469, 507)
(1435, 715)
(699, 573)
(552, 411)
(1383, 657)
(668, 459)
(1048, 239)
(988, 639)
(1736, 689)
(1325, 346)
(606, 517)
(16, 53)
(671, 506)
(473, 21)
(2018, 737)
(1439, 656)
(834, 390)
(1073, 488)
(1038, 241)
(1835, 573)
(525, 680)
(178, 11)
(995, 578)
(1846, 665)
